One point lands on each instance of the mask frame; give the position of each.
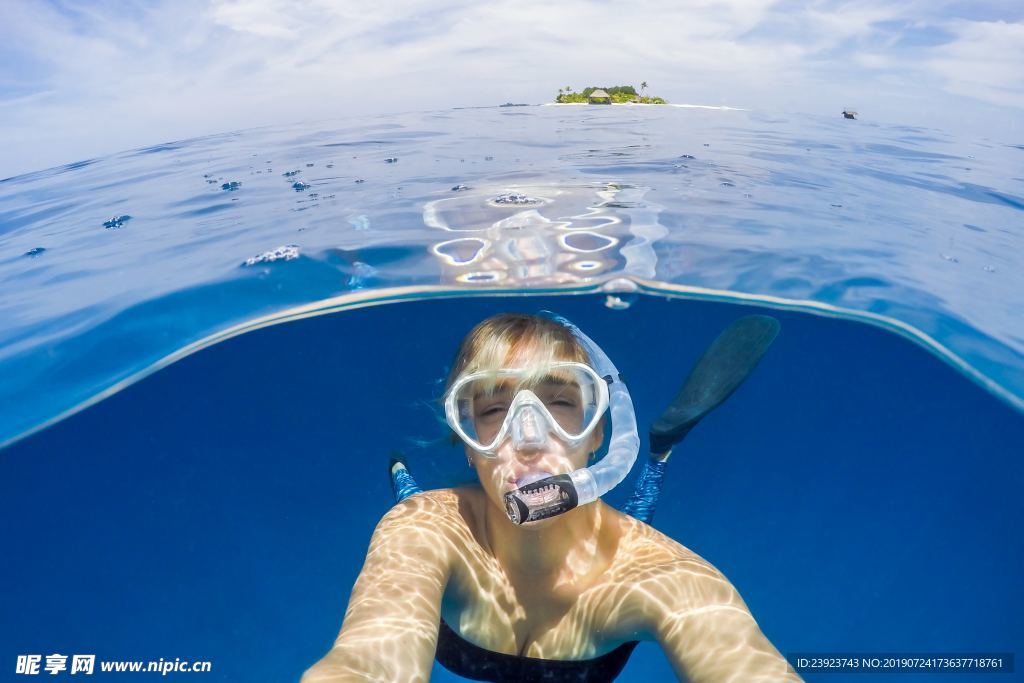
(524, 400)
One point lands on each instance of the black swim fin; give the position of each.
(722, 368)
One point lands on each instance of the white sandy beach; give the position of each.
(639, 104)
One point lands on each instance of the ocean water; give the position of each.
(195, 451)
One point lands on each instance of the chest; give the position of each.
(559, 617)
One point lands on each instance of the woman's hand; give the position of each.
(390, 627)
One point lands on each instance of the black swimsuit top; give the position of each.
(465, 659)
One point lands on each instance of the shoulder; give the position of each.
(670, 579)
(431, 501)
(426, 507)
(649, 550)
(418, 534)
(430, 515)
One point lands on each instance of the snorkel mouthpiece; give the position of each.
(541, 499)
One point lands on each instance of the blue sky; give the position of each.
(83, 79)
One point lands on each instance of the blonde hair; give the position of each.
(509, 339)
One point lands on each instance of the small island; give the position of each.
(619, 94)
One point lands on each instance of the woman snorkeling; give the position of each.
(530, 576)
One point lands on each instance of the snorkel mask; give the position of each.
(566, 402)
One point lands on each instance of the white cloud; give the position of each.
(985, 61)
(261, 19)
(109, 77)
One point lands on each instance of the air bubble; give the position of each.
(363, 271)
(287, 252)
(620, 285)
(619, 303)
(361, 222)
(515, 198)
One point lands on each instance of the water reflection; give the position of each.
(524, 236)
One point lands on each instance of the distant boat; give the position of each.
(847, 114)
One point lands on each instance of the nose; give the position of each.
(529, 430)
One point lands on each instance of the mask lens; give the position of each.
(564, 396)
(483, 404)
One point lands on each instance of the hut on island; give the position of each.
(599, 97)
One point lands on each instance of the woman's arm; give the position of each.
(390, 627)
(706, 630)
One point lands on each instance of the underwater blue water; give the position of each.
(861, 490)
(860, 493)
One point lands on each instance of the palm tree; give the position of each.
(559, 95)
(643, 86)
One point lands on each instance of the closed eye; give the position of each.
(493, 410)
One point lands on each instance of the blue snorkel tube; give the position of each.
(558, 494)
